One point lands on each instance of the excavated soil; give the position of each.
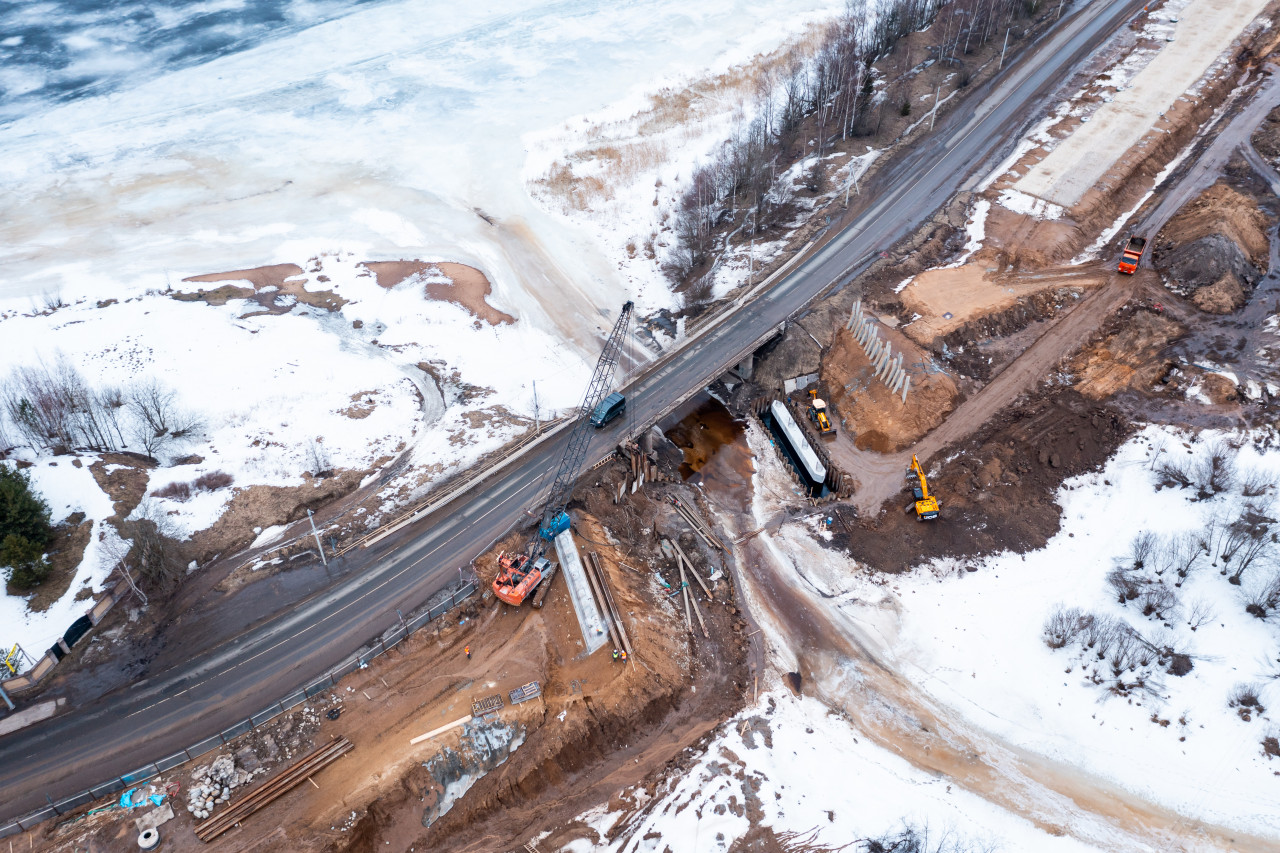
(1128, 356)
(955, 304)
(875, 417)
(999, 491)
(1215, 249)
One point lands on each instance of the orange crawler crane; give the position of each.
(926, 505)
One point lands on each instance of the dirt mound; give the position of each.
(1127, 356)
(1214, 250)
(877, 418)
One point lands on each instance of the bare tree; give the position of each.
(1184, 552)
(1264, 597)
(1140, 549)
(1126, 584)
(156, 546)
(1158, 600)
(158, 420)
(1216, 470)
(1200, 613)
(1063, 626)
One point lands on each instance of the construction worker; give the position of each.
(615, 654)
(468, 651)
(624, 657)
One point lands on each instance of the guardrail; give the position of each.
(391, 638)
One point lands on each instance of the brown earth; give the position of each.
(467, 287)
(266, 506)
(126, 485)
(1127, 357)
(868, 411)
(1214, 249)
(268, 284)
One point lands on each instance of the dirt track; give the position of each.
(881, 474)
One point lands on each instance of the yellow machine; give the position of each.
(818, 414)
(926, 505)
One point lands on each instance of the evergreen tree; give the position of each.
(27, 566)
(22, 511)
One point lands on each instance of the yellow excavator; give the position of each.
(818, 414)
(926, 505)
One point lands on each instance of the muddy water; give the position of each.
(716, 455)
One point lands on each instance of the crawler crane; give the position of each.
(926, 505)
(520, 573)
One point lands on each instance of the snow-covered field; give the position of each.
(792, 765)
(975, 642)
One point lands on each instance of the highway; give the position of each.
(239, 676)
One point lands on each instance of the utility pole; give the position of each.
(934, 115)
(316, 534)
(536, 425)
(1059, 15)
(1003, 49)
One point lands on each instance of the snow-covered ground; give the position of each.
(68, 489)
(812, 780)
(975, 642)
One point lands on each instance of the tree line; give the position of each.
(835, 91)
(51, 407)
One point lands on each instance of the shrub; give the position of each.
(212, 481)
(1247, 701)
(1063, 626)
(1173, 475)
(27, 566)
(905, 109)
(1255, 483)
(174, 491)
(22, 511)
(1126, 584)
(1216, 471)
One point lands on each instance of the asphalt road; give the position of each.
(158, 716)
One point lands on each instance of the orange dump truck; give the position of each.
(1132, 254)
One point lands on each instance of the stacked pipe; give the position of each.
(886, 366)
(273, 789)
